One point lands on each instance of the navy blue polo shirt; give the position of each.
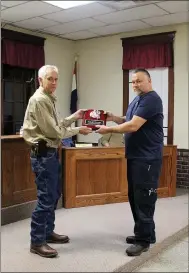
(147, 142)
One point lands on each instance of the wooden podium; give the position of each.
(97, 176)
(90, 176)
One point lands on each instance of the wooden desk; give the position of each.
(90, 176)
(97, 176)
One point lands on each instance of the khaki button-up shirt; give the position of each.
(41, 121)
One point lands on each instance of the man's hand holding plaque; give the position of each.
(102, 129)
(79, 114)
(110, 116)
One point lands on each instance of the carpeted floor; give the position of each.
(97, 237)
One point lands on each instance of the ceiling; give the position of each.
(95, 19)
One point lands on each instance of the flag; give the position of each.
(74, 98)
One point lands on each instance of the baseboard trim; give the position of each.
(20, 212)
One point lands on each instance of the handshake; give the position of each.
(93, 120)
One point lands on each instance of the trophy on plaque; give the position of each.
(92, 117)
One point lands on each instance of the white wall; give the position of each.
(100, 83)
(101, 79)
(59, 52)
(181, 87)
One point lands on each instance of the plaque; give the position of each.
(92, 117)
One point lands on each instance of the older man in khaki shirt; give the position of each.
(43, 131)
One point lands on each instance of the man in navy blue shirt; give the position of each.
(143, 128)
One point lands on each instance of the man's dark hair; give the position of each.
(142, 70)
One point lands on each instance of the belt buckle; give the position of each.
(35, 150)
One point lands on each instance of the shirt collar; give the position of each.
(50, 95)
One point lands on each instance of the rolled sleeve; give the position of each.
(148, 107)
(66, 122)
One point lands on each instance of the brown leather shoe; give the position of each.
(57, 239)
(43, 250)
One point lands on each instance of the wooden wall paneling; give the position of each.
(167, 183)
(6, 177)
(24, 180)
(173, 172)
(97, 176)
(69, 191)
(18, 181)
(90, 176)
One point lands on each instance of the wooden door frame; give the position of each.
(170, 100)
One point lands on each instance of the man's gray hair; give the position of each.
(44, 70)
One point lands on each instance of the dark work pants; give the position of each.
(47, 173)
(143, 180)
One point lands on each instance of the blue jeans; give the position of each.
(48, 182)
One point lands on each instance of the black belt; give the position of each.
(48, 149)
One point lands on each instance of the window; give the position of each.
(18, 84)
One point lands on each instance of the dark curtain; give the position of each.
(22, 55)
(149, 51)
(22, 50)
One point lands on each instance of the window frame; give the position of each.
(24, 90)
